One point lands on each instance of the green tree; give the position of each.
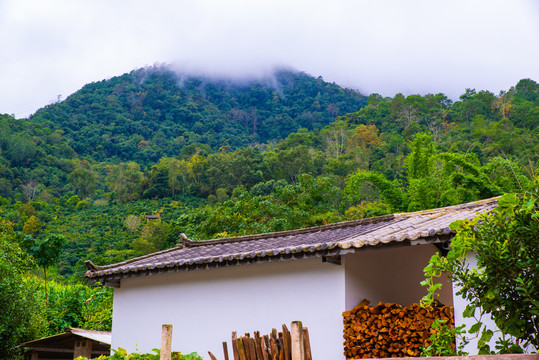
(45, 252)
(125, 180)
(504, 282)
(32, 225)
(19, 305)
(83, 179)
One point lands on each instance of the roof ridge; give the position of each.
(342, 224)
(187, 243)
(184, 241)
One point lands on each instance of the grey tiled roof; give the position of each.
(326, 240)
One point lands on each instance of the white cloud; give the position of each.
(52, 47)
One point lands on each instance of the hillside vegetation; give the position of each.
(402, 153)
(123, 166)
(155, 112)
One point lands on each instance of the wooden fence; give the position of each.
(284, 345)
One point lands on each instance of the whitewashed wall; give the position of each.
(206, 306)
(390, 274)
(461, 303)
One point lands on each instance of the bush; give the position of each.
(121, 354)
(505, 281)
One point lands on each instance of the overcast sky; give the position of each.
(54, 47)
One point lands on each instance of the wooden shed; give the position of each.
(69, 345)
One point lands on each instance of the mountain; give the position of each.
(154, 112)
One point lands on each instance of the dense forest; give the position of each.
(124, 165)
(155, 112)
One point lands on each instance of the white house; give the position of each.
(208, 289)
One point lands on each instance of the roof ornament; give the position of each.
(90, 265)
(185, 241)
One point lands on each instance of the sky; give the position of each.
(52, 48)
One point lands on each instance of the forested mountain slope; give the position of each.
(154, 112)
(122, 167)
(398, 153)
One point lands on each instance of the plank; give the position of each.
(258, 345)
(296, 339)
(252, 349)
(241, 349)
(307, 344)
(287, 343)
(266, 350)
(225, 350)
(235, 345)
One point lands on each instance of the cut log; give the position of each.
(390, 330)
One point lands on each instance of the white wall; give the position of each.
(205, 306)
(391, 274)
(460, 304)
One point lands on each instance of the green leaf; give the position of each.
(508, 200)
(469, 311)
(475, 328)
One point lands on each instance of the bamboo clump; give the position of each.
(390, 330)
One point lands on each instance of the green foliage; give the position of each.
(442, 342)
(45, 251)
(78, 305)
(504, 281)
(121, 354)
(19, 305)
(268, 155)
(311, 201)
(155, 112)
(83, 179)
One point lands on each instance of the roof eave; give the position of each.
(112, 278)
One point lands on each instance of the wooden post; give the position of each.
(166, 342)
(34, 356)
(297, 341)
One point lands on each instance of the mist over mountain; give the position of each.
(156, 111)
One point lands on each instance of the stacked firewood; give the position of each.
(285, 345)
(390, 330)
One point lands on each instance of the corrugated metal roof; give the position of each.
(326, 240)
(103, 337)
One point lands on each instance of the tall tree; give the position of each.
(83, 179)
(45, 252)
(124, 179)
(19, 305)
